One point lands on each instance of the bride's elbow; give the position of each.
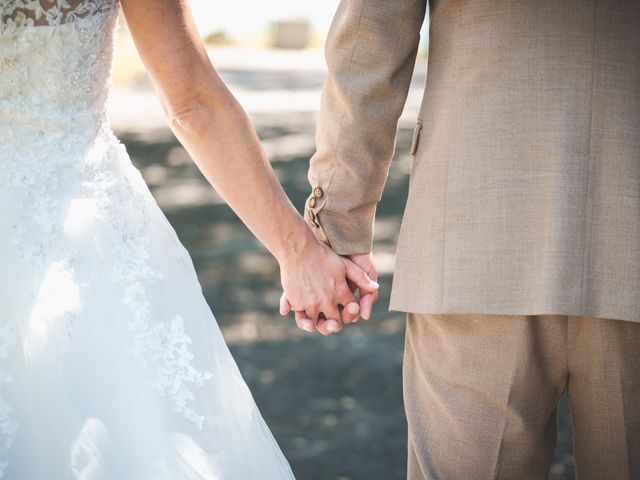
(196, 113)
(193, 119)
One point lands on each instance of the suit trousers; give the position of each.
(481, 395)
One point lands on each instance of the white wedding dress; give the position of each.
(112, 366)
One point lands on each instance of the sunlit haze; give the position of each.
(242, 18)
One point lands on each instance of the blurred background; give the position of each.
(334, 404)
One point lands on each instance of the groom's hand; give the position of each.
(351, 311)
(316, 282)
(368, 298)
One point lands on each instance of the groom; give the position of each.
(519, 255)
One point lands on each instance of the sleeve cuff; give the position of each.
(345, 234)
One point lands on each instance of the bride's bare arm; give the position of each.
(216, 132)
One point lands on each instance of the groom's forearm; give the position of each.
(370, 54)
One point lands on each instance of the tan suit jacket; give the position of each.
(524, 195)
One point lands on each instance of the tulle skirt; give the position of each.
(112, 364)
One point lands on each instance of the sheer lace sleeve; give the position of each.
(23, 13)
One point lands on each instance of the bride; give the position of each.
(112, 366)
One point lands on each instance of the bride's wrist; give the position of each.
(295, 245)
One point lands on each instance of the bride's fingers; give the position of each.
(328, 326)
(334, 322)
(321, 327)
(348, 300)
(350, 312)
(285, 306)
(304, 323)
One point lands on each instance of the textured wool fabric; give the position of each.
(370, 51)
(525, 187)
(481, 393)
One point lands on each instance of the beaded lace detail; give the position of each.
(56, 144)
(27, 13)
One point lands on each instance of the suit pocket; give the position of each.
(416, 138)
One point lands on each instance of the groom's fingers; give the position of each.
(366, 305)
(367, 300)
(359, 277)
(304, 323)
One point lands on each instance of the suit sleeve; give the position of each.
(370, 53)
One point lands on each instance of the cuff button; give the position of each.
(312, 202)
(317, 192)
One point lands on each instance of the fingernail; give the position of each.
(374, 284)
(333, 326)
(307, 328)
(353, 308)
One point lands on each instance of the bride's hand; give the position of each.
(315, 286)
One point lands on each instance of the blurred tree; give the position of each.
(218, 37)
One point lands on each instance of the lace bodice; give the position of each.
(56, 75)
(23, 13)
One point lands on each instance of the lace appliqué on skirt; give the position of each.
(161, 346)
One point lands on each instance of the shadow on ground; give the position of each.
(334, 404)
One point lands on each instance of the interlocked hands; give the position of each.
(327, 291)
